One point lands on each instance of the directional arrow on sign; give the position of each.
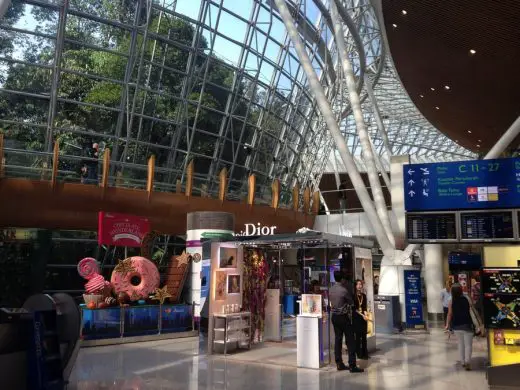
(411, 172)
(411, 182)
(411, 193)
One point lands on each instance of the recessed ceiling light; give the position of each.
(479, 140)
(469, 131)
(446, 87)
(437, 108)
(472, 51)
(433, 89)
(421, 96)
(478, 146)
(456, 140)
(394, 25)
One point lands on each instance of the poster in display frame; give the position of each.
(220, 285)
(233, 284)
(363, 271)
(228, 257)
(311, 305)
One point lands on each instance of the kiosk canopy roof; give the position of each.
(310, 239)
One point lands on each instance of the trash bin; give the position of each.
(387, 314)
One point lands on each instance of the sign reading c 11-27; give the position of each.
(463, 185)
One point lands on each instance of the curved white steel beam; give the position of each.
(333, 128)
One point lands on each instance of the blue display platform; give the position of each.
(141, 320)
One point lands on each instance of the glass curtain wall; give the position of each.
(211, 81)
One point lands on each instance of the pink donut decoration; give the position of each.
(142, 271)
(88, 268)
(95, 285)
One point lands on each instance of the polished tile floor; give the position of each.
(412, 361)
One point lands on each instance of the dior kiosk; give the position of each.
(274, 290)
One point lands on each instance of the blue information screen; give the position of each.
(475, 184)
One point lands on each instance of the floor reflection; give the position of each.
(419, 362)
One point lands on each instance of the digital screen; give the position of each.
(427, 227)
(464, 260)
(462, 185)
(487, 225)
(500, 281)
(501, 311)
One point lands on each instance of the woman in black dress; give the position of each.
(459, 317)
(360, 321)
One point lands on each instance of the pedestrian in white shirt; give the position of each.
(446, 299)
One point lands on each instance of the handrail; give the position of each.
(41, 171)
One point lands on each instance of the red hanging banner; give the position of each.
(121, 229)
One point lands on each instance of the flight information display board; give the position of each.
(487, 225)
(431, 227)
(465, 185)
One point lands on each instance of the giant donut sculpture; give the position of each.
(129, 268)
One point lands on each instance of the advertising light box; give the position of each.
(464, 185)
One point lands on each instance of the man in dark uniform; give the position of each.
(342, 304)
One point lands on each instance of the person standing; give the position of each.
(360, 321)
(446, 299)
(459, 318)
(342, 311)
(89, 165)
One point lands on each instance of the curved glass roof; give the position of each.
(216, 81)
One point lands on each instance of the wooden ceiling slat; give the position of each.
(430, 48)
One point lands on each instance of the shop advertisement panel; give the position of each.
(413, 299)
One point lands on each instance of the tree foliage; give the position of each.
(150, 82)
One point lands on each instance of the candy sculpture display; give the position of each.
(136, 276)
(96, 288)
(95, 285)
(88, 268)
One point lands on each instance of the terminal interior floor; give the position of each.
(412, 361)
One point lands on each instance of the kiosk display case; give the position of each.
(232, 331)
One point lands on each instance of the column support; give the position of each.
(504, 141)
(434, 280)
(333, 127)
(364, 138)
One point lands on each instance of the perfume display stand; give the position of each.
(231, 331)
(309, 345)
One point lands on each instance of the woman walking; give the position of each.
(459, 317)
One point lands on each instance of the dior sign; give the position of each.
(250, 229)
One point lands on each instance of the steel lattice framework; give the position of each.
(216, 81)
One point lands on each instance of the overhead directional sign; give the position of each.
(475, 184)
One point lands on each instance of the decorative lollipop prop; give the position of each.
(88, 268)
(96, 287)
